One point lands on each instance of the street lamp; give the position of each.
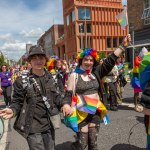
(81, 29)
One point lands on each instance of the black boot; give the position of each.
(92, 141)
(81, 143)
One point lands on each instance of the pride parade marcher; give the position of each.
(144, 105)
(135, 76)
(54, 67)
(85, 107)
(6, 84)
(35, 101)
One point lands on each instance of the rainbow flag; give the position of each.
(82, 109)
(123, 18)
(144, 71)
(72, 121)
(87, 104)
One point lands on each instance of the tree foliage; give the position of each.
(2, 60)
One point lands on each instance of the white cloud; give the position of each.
(7, 38)
(20, 24)
(32, 33)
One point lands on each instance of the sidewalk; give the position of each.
(3, 141)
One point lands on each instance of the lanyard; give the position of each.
(44, 98)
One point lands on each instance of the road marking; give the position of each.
(128, 104)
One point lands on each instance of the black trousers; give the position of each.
(7, 94)
(113, 94)
(42, 141)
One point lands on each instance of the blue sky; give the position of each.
(24, 21)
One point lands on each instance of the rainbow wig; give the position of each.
(88, 52)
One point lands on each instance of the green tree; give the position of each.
(2, 60)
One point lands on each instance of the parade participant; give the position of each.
(135, 76)
(121, 81)
(144, 105)
(65, 70)
(85, 82)
(111, 80)
(34, 101)
(6, 84)
(57, 74)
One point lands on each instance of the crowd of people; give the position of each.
(36, 93)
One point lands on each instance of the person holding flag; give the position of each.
(82, 101)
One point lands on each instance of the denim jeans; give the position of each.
(42, 141)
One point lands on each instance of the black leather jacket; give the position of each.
(24, 102)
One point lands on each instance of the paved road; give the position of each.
(114, 136)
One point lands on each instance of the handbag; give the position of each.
(53, 113)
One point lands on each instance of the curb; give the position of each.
(3, 141)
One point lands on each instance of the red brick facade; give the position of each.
(100, 29)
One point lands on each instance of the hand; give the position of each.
(1, 91)
(126, 41)
(67, 110)
(6, 113)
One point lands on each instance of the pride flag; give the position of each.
(123, 18)
(82, 109)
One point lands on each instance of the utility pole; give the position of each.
(85, 30)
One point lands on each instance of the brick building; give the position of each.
(49, 39)
(139, 22)
(90, 23)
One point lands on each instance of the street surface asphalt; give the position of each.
(115, 136)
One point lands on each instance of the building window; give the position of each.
(73, 16)
(108, 42)
(146, 13)
(81, 28)
(147, 21)
(120, 40)
(146, 4)
(88, 28)
(74, 29)
(115, 42)
(84, 14)
(67, 20)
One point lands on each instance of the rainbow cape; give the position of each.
(82, 106)
(144, 71)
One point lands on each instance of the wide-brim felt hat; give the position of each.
(36, 50)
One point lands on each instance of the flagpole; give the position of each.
(128, 30)
(85, 30)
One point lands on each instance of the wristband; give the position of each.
(121, 47)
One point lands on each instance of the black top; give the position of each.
(40, 119)
(86, 87)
